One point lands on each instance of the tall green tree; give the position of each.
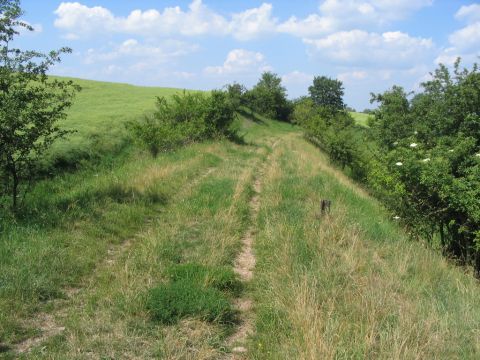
(269, 97)
(327, 93)
(31, 104)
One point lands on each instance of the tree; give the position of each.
(236, 94)
(269, 97)
(31, 104)
(327, 93)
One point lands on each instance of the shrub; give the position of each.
(185, 118)
(169, 303)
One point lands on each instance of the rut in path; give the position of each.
(244, 266)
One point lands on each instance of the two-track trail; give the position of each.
(244, 266)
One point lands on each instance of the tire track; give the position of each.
(244, 267)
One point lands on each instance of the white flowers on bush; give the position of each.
(413, 145)
(399, 163)
(451, 150)
(395, 143)
(477, 155)
(396, 217)
(426, 160)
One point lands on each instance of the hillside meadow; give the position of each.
(80, 270)
(98, 116)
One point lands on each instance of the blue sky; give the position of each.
(202, 44)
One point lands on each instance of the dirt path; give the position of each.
(244, 266)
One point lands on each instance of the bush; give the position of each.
(170, 303)
(185, 118)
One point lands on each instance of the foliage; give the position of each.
(236, 94)
(30, 104)
(269, 98)
(327, 93)
(436, 137)
(184, 118)
(421, 156)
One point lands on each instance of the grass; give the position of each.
(350, 284)
(360, 118)
(132, 257)
(98, 116)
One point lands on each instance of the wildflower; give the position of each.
(426, 160)
(451, 150)
(396, 217)
(395, 143)
(477, 155)
(413, 145)
(399, 163)
(415, 132)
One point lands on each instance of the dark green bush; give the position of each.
(184, 118)
(169, 303)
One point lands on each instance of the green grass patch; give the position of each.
(361, 118)
(196, 291)
(219, 277)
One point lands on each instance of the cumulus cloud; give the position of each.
(147, 54)
(465, 42)
(297, 78)
(239, 61)
(470, 13)
(358, 47)
(312, 25)
(79, 20)
(352, 75)
(337, 15)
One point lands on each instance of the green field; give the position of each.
(360, 118)
(98, 116)
(76, 272)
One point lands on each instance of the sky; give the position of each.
(370, 45)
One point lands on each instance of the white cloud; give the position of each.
(358, 47)
(297, 78)
(470, 13)
(79, 20)
(312, 25)
(148, 54)
(336, 15)
(465, 42)
(467, 38)
(239, 61)
(253, 22)
(352, 75)
(371, 11)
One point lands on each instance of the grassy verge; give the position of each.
(349, 284)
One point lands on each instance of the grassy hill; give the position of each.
(360, 118)
(77, 273)
(99, 113)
